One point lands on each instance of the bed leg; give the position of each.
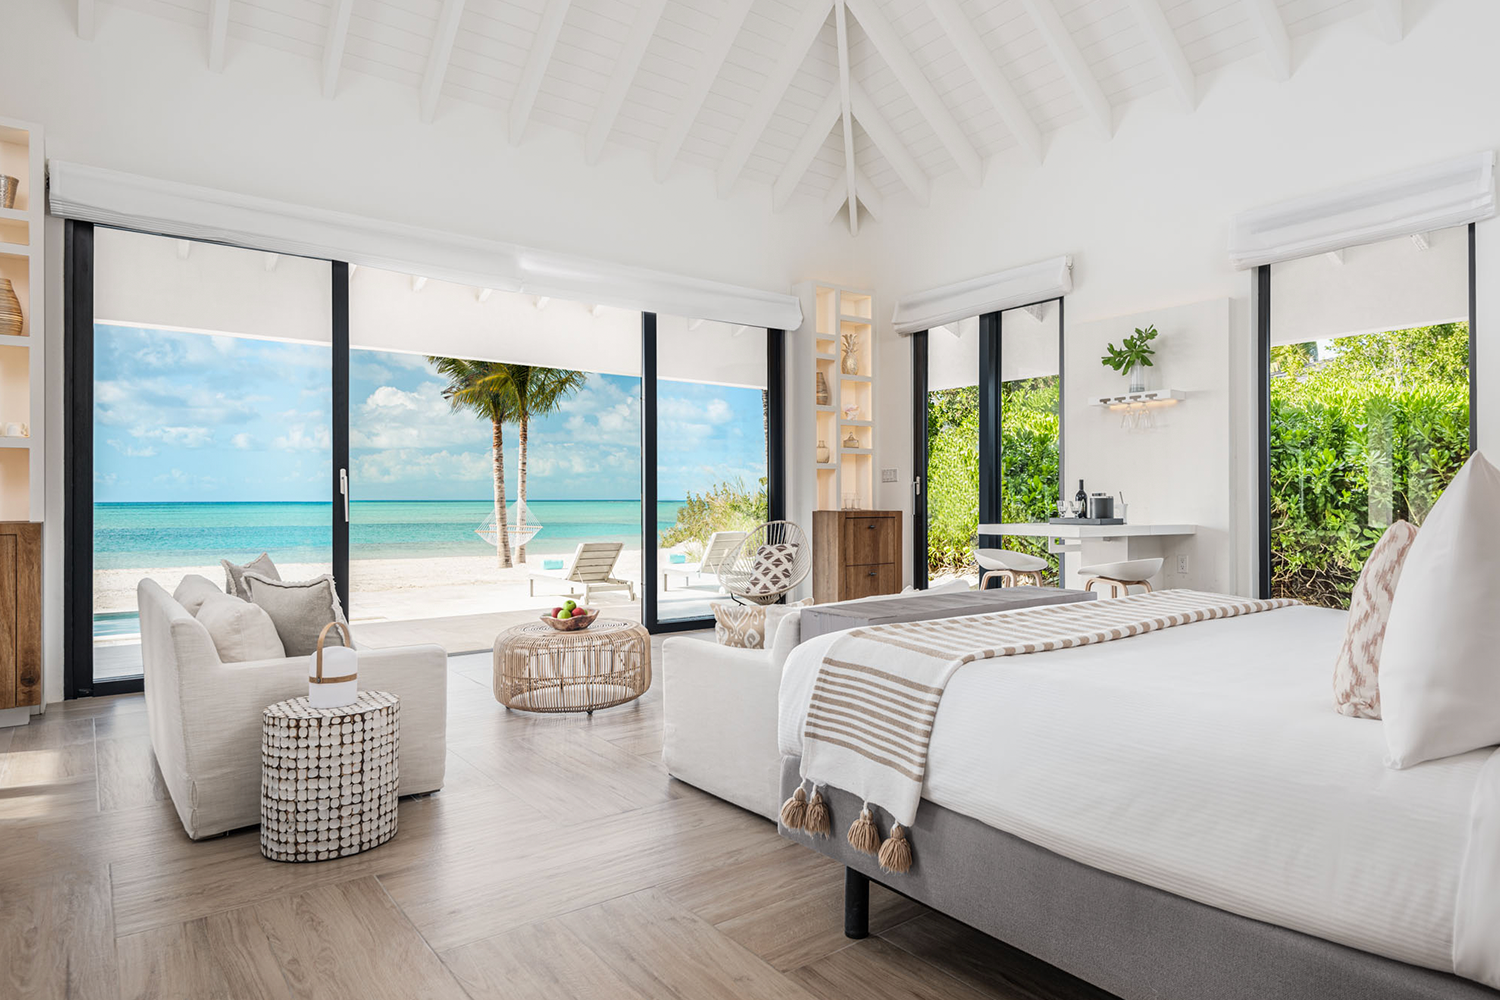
(856, 904)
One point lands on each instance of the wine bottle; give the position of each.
(1083, 500)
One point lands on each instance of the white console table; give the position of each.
(1097, 543)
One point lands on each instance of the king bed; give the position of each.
(1181, 814)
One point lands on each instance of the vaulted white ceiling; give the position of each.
(814, 98)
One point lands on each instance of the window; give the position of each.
(1030, 424)
(951, 451)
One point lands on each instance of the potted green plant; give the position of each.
(1132, 357)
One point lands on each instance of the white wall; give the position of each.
(1146, 215)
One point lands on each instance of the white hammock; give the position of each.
(520, 525)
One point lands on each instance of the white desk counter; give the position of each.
(1087, 544)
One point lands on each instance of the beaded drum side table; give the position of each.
(539, 669)
(328, 777)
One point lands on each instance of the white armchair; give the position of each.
(205, 715)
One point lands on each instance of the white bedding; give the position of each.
(1207, 761)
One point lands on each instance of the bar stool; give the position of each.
(1011, 567)
(1121, 576)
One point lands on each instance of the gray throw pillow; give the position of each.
(299, 609)
(234, 576)
(193, 591)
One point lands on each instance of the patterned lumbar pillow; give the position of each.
(751, 626)
(299, 609)
(771, 570)
(234, 576)
(1356, 683)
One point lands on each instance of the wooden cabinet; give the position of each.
(856, 553)
(20, 614)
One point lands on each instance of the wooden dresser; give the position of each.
(20, 614)
(856, 553)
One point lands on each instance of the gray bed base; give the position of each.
(1133, 940)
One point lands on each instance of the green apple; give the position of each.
(564, 613)
(570, 605)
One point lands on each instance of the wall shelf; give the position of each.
(845, 421)
(13, 442)
(22, 252)
(833, 313)
(1138, 398)
(15, 341)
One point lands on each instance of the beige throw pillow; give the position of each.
(240, 630)
(193, 591)
(1356, 673)
(300, 609)
(234, 576)
(750, 626)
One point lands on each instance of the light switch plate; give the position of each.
(887, 475)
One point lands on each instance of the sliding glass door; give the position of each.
(950, 449)
(1030, 452)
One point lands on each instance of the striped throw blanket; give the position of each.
(878, 689)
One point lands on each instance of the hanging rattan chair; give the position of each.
(772, 559)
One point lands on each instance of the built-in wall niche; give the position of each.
(856, 393)
(21, 267)
(15, 482)
(839, 358)
(15, 386)
(17, 270)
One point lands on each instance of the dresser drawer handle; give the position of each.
(871, 526)
(872, 572)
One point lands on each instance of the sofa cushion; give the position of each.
(240, 630)
(193, 591)
(299, 608)
(234, 576)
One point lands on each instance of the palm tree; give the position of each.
(534, 391)
(484, 387)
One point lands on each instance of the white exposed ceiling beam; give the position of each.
(1391, 19)
(86, 19)
(333, 46)
(1158, 31)
(536, 67)
(712, 63)
(814, 16)
(895, 50)
(634, 50)
(836, 198)
(841, 20)
(999, 92)
(1421, 241)
(1269, 25)
(806, 151)
(889, 143)
(438, 56)
(868, 196)
(1065, 50)
(218, 33)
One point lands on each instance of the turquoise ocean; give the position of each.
(163, 535)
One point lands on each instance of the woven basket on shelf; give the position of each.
(12, 323)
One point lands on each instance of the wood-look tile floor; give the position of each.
(560, 861)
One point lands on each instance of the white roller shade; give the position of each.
(1018, 286)
(1453, 193)
(111, 198)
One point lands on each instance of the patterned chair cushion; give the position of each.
(1356, 674)
(771, 570)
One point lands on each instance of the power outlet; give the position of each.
(1182, 564)
(887, 475)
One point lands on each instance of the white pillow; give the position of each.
(193, 591)
(959, 585)
(240, 630)
(1440, 665)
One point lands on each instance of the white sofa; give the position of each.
(205, 715)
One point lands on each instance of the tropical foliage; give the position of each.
(1134, 351)
(726, 506)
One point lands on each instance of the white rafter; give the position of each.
(86, 18)
(1392, 20)
(806, 151)
(814, 16)
(1158, 31)
(999, 92)
(893, 49)
(437, 58)
(841, 21)
(838, 194)
(888, 141)
(333, 46)
(713, 56)
(631, 54)
(1269, 25)
(536, 67)
(218, 33)
(1065, 50)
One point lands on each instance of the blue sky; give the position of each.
(187, 416)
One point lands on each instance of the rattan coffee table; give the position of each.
(539, 669)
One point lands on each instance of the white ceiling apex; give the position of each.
(838, 196)
(1391, 20)
(841, 20)
(897, 55)
(1158, 31)
(1065, 50)
(888, 141)
(333, 47)
(807, 150)
(218, 33)
(537, 59)
(1266, 17)
(986, 72)
(631, 54)
(793, 54)
(86, 14)
(439, 55)
(714, 54)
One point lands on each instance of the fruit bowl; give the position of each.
(582, 619)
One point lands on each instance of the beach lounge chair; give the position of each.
(592, 568)
(722, 547)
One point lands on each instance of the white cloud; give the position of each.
(188, 480)
(177, 437)
(299, 438)
(421, 418)
(244, 442)
(405, 464)
(147, 452)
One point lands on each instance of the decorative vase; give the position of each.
(824, 397)
(824, 456)
(12, 323)
(1136, 379)
(852, 441)
(850, 363)
(8, 188)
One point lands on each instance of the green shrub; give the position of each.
(727, 506)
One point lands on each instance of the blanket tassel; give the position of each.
(863, 836)
(794, 810)
(817, 821)
(895, 853)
